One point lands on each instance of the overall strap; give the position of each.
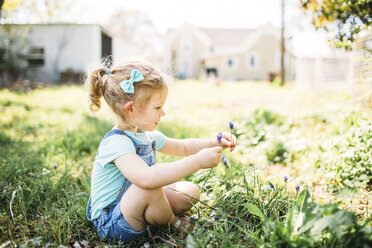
(119, 132)
(133, 140)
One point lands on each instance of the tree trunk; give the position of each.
(1, 6)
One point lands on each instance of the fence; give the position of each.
(343, 71)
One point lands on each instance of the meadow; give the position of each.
(301, 175)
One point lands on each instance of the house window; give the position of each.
(231, 62)
(252, 61)
(35, 56)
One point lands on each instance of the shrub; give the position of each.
(348, 158)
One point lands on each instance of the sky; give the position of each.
(244, 14)
(207, 13)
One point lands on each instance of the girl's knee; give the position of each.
(194, 193)
(189, 190)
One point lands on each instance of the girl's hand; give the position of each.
(228, 140)
(209, 157)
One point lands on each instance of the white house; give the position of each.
(52, 49)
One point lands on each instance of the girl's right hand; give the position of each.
(209, 157)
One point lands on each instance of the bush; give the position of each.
(348, 157)
(309, 224)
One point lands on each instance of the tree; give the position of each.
(136, 26)
(9, 5)
(42, 11)
(13, 46)
(348, 18)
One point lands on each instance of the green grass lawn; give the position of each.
(320, 141)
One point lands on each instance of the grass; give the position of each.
(282, 132)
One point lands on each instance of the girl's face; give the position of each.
(148, 119)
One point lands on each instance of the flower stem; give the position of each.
(206, 179)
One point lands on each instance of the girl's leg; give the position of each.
(141, 206)
(181, 196)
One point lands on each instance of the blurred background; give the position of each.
(314, 44)
(294, 76)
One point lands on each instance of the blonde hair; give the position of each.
(108, 86)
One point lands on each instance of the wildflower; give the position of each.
(219, 137)
(224, 161)
(285, 178)
(216, 218)
(233, 220)
(271, 185)
(297, 187)
(231, 125)
(55, 166)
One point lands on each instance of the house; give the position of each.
(230, 54)
(51, 52)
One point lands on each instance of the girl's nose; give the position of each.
(162, 113)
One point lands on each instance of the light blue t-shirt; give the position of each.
(106, 178)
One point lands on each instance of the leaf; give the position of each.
(301, 201)
(190, 242)
(321, 148)
(253, 209)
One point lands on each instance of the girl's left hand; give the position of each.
(228, 140)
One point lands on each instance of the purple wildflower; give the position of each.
(297, 187)
(285, 178)
(224, 161)
(231, 125)
(219, 137)
(271, 185)
(233, 220)
(55, 166)
(216, 218)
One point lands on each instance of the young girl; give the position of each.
(129, 191)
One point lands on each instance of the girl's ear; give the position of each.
(128, 108)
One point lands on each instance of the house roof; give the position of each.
(225, 41)
(227, 37)
(174, 33)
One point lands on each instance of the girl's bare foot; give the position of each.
(184, 226)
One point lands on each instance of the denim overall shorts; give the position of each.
(111, 224)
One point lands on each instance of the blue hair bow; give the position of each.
(127, 85)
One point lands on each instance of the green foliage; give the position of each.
(43, 206)
(255, 128)
(350, 17)
(13, 44)
(352, 167)
(343, 152)
(276, 152)
(309, 224)
(261, 129)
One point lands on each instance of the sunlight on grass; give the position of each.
(320, 141)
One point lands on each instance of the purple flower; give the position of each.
(285, 178)
(224, 161)
(271, 185)
(297, 187)
(219, 137)
(231, 125)
(216, 218)
(55, 166)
